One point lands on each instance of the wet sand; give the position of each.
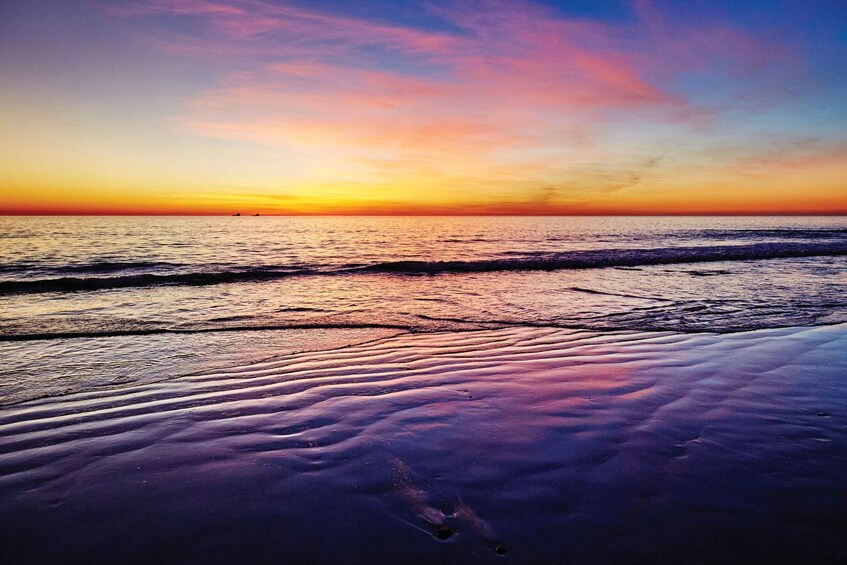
(533, 445)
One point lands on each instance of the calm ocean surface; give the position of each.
(135, 281)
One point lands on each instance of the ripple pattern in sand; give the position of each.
(528, 444)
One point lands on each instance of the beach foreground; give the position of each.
(526, 444)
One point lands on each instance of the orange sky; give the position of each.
(223, 106)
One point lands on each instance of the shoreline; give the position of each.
(477, 325)
(342, 344)
(549, 443)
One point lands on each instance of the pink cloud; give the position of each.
(512, 79)
(499, 72)
(280, 24)
(513, 50)
(551, 59)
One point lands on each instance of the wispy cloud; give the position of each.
(506, 97)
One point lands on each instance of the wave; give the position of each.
(254, 327)
(16, 267)
(600, 258)
(116, 266)
(424, 324)
(99, 266)
(587, 259)
(621, 295)
(765, 233)
(75, 284)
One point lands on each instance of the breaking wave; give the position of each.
(586, 259)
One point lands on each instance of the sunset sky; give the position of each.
(432, 107)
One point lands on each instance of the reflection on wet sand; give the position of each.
(540, 445)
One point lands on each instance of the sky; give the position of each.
(433, 107)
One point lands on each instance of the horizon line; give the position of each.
(424, 215)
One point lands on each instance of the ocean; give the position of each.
(63, 279)
(92, 276)
(445, 389)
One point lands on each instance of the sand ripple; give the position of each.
(530, 444)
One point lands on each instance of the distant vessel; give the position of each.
(256, 214)
(237, 214)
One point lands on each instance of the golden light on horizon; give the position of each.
(198, 108)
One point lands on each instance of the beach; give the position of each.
(424, 282)
(532, 444)
(423, 390)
